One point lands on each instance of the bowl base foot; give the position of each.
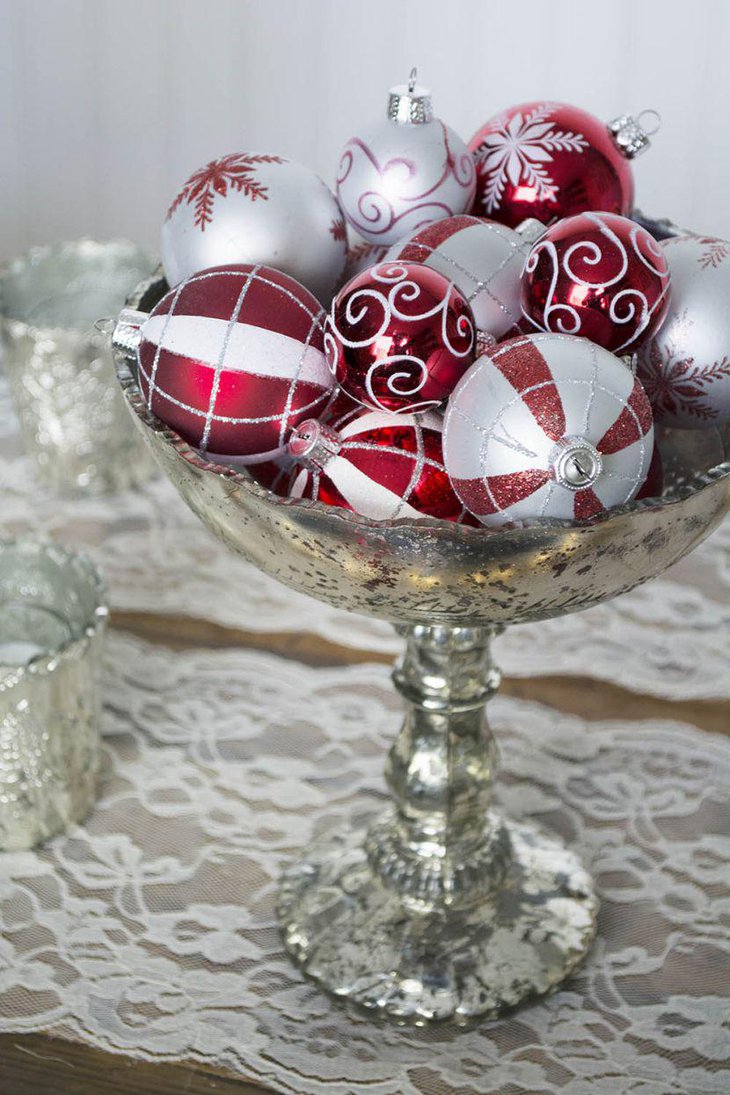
(359, 941)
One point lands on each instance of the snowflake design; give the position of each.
(518, 150)
(715, 251)
(337, 230)
(676, 386)
(234, 171)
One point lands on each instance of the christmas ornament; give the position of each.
(405, 171)
(399, 336)
(482, 258)
(233, 358)
(600, 276)
(550, 160)
(547, 426)
(252, 207)
(383, 466)
(685, 368)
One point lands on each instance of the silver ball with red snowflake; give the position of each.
(251, 207)
(685, 368)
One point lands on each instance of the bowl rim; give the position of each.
(132, 393)
(77, 645)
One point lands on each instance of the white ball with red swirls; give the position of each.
(394, 179)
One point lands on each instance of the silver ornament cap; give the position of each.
(313, 444)
(126, 333)
(576, 464)
(632, 136)
(410, 104)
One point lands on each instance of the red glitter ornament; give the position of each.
(600, 276)
(381, 465)
(233, 358)
(399, 336)
(550, 160)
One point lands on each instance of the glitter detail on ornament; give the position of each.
(547, 426)
(235, 172)
(233, 358)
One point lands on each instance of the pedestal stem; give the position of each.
(440, 845)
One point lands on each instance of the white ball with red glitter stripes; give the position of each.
(547, 426)
(482, 258)
(233, 358)
(251, 207)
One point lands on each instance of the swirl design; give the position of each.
(609, 285)
(387, 199)
(387, 332)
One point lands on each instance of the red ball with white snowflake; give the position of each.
(252, 207)
(483, 259)
(380, 465)
(550, 160)
(399, 336)
(685, 368)
(599, 276)
(233, 359)
(547, 426)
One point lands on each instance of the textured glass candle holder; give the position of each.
(440, 908)
(52, 617)
(61, 375)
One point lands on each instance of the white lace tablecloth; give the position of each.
(150, 930)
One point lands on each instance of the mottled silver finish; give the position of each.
(52, 605)
(61, 375)
(439, 908)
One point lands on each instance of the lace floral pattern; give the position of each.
(150, 930)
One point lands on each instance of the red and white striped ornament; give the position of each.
(547, 426)
(482, 258)
(233, 358)
(381, 465)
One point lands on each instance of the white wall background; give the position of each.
(107, 105)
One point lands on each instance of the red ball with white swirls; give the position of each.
(547, 426)
(380, 465)
(548, 161)
(399, 336)
(233, 358)
(599, 276)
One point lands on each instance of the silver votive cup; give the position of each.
(52, 617)
(58, 361)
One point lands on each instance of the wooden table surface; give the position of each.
(35, 1064)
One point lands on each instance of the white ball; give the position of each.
(685, 367)
(256, 208)
(482, 258)
(396, 178)
(547, 426)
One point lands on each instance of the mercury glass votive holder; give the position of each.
(53, 614)
(72, 415)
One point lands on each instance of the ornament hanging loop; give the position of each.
(632, 135)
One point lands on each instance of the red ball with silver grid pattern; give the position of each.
(388, 466)
(482, 258)
(547, 426)
(233, 358)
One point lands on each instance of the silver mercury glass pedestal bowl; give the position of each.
(440, 908)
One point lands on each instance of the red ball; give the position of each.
(548, 160)
(599, 276)
(399, 337)
(381, 465)
(233, 358)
